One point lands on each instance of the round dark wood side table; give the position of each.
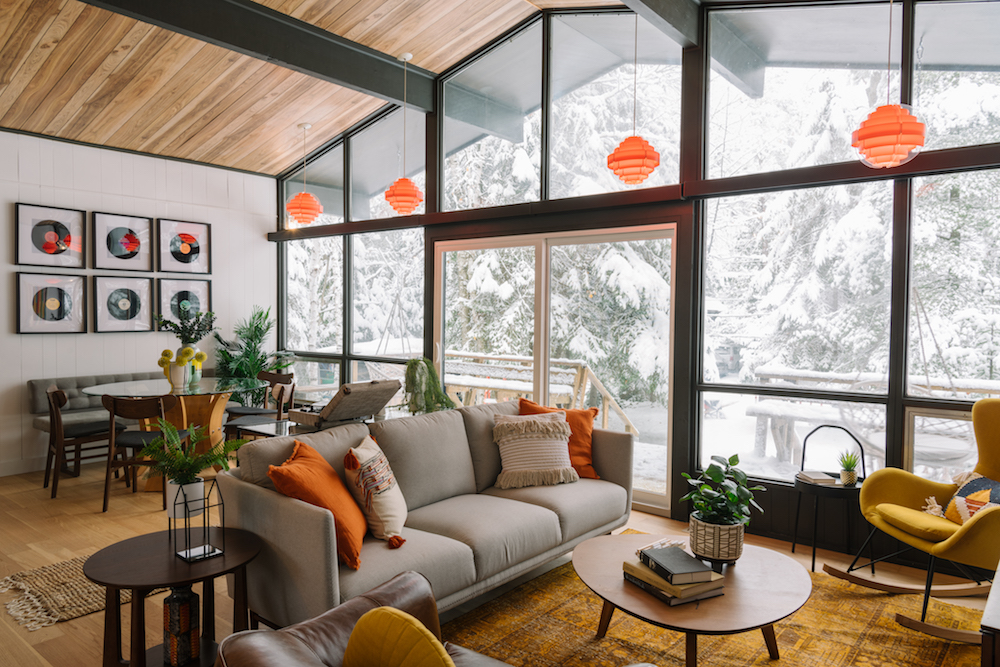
(147, 562)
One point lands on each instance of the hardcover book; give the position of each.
(671, 600)
(816, 477)
(675, 565)
(643, 573)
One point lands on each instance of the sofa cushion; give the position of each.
(581, 507)
(429, 455)
(332, 444)
(580, 442)
(448, 564)
(500, 531)
(479, 421)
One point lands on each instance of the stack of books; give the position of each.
(672, 575)
(816, 477)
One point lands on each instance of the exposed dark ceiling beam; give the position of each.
(738, 62)
(260, 32)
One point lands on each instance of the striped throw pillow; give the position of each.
(534, 450)
(374, 487)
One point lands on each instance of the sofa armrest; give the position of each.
(296, 574)
(612, 454)
(323, 640)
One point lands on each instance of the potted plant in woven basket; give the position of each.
(722, 499)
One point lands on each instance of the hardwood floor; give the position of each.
(36, 530)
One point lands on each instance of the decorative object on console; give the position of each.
(533, 450)
(304, 207)
(848, 468)
(184, 247)
(49, 236)
(403, 195)
(891, 135)
(374, 487)
(581, 426)
(634, 159)
(423, 388)
(51, 303)
(722, 499)
(122, 242)
(123, 303)
(181, 627)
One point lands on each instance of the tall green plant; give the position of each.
(423, 388)
(245, 357)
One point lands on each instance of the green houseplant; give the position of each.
(181, 465)
(423, 388)
(848, 468)
(189, 329)
(245, 357)
(722, 498)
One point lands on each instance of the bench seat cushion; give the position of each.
(581, 506)
(448, 564)
(78, 417)
(501, 532)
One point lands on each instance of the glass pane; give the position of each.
(324, 179)
(389, 293)
(597, 92)
(768, 433)
(377, 161)
(942, 447)
(492, 126)
(797, 288)
(790, 85)
(489, 324)
(610, 342)
(314, 288)
(957, 91)
(367, 371)
(955, 286)
(315, 381)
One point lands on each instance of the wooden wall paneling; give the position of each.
(9, 11)
(91, 77)
(81, 61)
(216, 95)
(27, 32)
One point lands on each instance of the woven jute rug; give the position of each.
(552, 620)
(54, 593)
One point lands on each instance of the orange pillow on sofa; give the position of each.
(581, 426)
(308, 477)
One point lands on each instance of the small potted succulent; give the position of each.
(722, 498)
(181, 466)
(849, 468)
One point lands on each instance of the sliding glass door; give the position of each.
(572, 320)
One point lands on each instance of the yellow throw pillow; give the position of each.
(389, 637)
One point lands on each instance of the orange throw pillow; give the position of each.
(307, 476)
(581, 426)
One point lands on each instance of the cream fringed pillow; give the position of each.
(534, 450)
(374, 487)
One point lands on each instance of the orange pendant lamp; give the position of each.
(403, 195)
(303, 207)
(891, 135)
(634, 159)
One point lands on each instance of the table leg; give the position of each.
(137, 647)
(241, 608)
(771, 641)
(815, 526)
(795, 526)
(691, 650)
(208, 609)
(602, 627)
(112, 627)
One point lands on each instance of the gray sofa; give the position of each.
(463, 534)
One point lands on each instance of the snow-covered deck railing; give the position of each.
(778, 374)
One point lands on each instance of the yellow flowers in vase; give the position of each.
(186, 370)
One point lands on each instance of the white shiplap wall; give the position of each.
(240, 207)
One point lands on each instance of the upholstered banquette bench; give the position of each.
(80, 408)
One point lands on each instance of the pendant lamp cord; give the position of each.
(303, 159)
(888, 64)
(404, 118)
(635, 70)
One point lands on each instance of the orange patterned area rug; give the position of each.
(552, 620)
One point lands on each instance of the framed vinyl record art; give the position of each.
(180, 299)
(51, 303)
(184, 247)
(122, 242)
(49, 236)
(123, 303)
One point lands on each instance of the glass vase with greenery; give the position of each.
(244, 356)
(190, 328)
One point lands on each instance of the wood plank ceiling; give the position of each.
(77, 72)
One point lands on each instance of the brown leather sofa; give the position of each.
(321, 641)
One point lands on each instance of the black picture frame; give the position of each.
(183, 247)
(123, 304)
(168, 288)
(122, 242)
(50, 236)
(51, 303)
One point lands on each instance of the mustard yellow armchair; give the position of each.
(892, 500)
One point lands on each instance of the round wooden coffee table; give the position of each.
(762, 588)
(148, 562)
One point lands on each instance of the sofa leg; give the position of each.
(256, 620)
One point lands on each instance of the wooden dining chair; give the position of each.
(272, 380)
(128, 444)
(87, 440)
(282, 394)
